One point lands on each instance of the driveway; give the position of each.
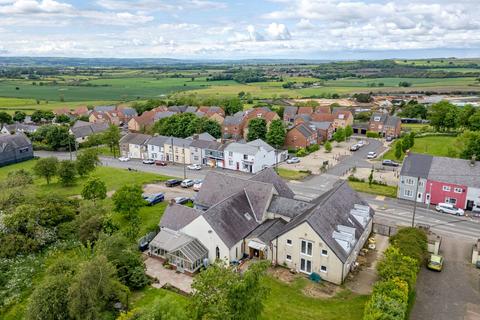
(454, 293)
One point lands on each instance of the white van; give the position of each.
(476, 208)
(449, 208)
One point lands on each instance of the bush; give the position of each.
(355, 179)
(313, 148)
(411, 242)
(389, 300)
(301, 152)
(371, 134)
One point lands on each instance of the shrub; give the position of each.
(371, 134)
(301, 152)
(313, 148)
(389, 300)
(411, 242)
(355, 179)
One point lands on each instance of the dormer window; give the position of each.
(247, 216)
(376, 119)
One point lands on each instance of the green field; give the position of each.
(434, 145)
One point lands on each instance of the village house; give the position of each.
(19, 128)
(198, 147)
(134, 146)
(214, 154)
(82, 130)
(259, 218)
(342, 119)
(250, 157)
(156, 147)
(289, 114)
(232, 127)
(440, 179)
(324, 130)
(177, 150)
(209, 111)
(142, 122)
(81, 111)
(259, 113)
(385, 125)
(300, 136)
(15, 148)
(305, 110)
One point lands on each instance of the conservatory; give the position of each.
(187, 254)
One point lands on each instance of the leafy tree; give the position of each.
(348, 131)
(276, 133)
(165, 308)
(414, 110)
(111, 137)
(464, 116)
(127, 201)
(443, 115)
(232, 106)
(63, 118)
(67, 172)
(370, 178)
(90, 221)
(339, 135)
(87, 160)
(363, 97)
(49, 300)
(94, 189)
(257, 129)
(328, 147)
(210, 126)
(474, 121)
(46, 168)
(398, 149)
(19, 116)
(5, 118)
(470, 144)
(55, 136)
(93, 290)
(48, 115)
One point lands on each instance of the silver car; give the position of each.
(449, 208)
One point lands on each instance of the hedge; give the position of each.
(371, 134)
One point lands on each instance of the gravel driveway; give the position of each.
(454, 293)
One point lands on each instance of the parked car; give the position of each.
(160, 163)
(355, 147)
(187, 183)
(181, 200)
(143, 245)
(390, 163)
(154, 198)
(435, 262)
(389, 138)
(293, 160)
(449, 208)
(476, 208)
(197, 186)
(361, 143)
(194, 167)
(124, 159)
(371, 155)
(148, 161)
(173, 182)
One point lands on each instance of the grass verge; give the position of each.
(292, 174)
(381, 190)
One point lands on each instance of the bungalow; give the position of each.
(235, 217)
(15, 148)
(249, 157)
(156, 147)
(134, 145)
(19, 127)
(301, 136)
(82, 130)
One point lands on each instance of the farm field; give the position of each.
(440, 146)
(29, 105)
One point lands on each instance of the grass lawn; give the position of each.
(415, 127)
(387, 191)
(434, 145)
(145, 297)
(292, 174)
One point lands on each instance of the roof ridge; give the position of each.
(251, 206)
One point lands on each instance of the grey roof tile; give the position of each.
(288, 207)
(178, 216)
(416, 165)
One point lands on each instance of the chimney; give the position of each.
(473, 160)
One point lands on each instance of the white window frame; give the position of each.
(305, 270)
(324, 254)
(322, 269)
(307, 243)
(291, 242)
(446, 188)
(449, 200)
(410, 181)
(408, 193)
(458, 190)
(287, 258)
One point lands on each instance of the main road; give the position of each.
(395, 211)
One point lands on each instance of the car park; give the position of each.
(390, 163)
(160, 163)
(355, 147)
(449, 208)
(154, 198)
(124, 159)
(173, 183)
(371, 155)
(194, 167)
(187, 183)
(197, 186)
(181, 200)
(148, 161)
(435, 262)
(361, 143)
(293, 160)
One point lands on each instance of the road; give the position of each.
(393, 210)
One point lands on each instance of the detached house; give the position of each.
(342, 118)
(15, 148)
(301, 136)
(324, 130)
(259, 217)
(249, 157)
(289, 114)
(134, 145)
(385, 125)
(232, 127)
(142, 122)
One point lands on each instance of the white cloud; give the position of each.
(305, 24)
(32, 6)
(278, 31)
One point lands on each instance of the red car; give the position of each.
(160, 163)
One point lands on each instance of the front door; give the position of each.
(427, 198)
(470, 205)
(238, 166)
(419, 197)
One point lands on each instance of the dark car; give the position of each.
(154, 198)
(182, 200)
(390, 163)
(173, 182)
(160, 163)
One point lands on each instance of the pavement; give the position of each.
(453, 293)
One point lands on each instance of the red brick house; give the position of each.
(300, 136)
(305, 110)
(385, 125)
(323, 109)
(324, 130)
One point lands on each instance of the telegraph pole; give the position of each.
(415, 202)
(184, 167)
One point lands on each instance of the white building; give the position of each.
(249, 157)
(155, 147)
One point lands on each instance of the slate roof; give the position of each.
(203, 136)
(104, 108)
(261, 144)
(232, 120)
(158, 141)
(179, 142)
(21, 127)
(129, 112)
(218, 186)
(135, 138)
(455, 171)
(163, 114)
(202, 144)
(304, 130)
(288, 207)
(177, 216)
(392, 121)
(84, 130)
(324, 125)
(14, 141)
(268, 175)
(416, 165)
(383, 117)
(329, 211)
(290, 110)
(191, 109)
(268, 230)
(250, 148)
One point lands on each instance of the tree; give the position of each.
(348, 131)
(210, 126)
(19, 116)
(470, 144)
(276, 133)
(111, 137)
(63, 118)
(46, 168)
(90, 221)
(87, 160)
(49, 300)
(474, 121)
(232, 106)
(165, 308)
(464, 116)
(328, 147)
(67, 172)
(94, 189)
(398, 149)
(127, 201)
(37, 116)
(18, 178)
(339, 135)
(93, 288)
(48, 115)
(370, 178)
(405, 144)
(257, 129)
(55, 136)
(5, 118)
(222, 293)
(443, 115)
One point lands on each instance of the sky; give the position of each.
(242, 29)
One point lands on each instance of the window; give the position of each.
(458, 190)
(305, 265)
(376, 119)
(217, 253)
(323, 268)
(195, 158)
(408, 193)
(230, 162)
(420, 183)
(324, 252)
(446, 188)
(410, 181)
(245, 157)
(451, 200)
(230, 154)
(289, 242)
(306, 248)
(289, 257)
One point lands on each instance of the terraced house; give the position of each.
(259, 218)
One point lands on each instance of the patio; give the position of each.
(156, 270)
